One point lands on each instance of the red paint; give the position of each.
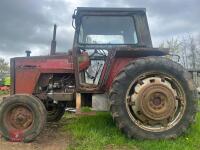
(26, 80)
(28, 70)
(16, 136)
(4, 88)
(58, 63)
(117, 65)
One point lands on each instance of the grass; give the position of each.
(99, 132)
(4, 92)
(86, 109)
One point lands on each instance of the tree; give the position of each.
(183, 52)
(187, 48)
(174, 46)
(4, 67)
(193, 53)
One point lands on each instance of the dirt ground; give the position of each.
(51, 138)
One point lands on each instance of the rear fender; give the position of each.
(124, 56)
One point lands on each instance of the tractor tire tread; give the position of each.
(116, 98)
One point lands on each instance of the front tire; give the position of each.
(22, 118)
(153, 98)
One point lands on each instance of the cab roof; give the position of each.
(107, 9)
(81, 11)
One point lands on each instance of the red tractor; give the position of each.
(112, 65)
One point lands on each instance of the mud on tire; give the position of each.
(128, 104)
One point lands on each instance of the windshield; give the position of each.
(107, 30)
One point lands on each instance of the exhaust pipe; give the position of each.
(28, 53)
(53, 42)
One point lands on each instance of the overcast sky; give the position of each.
(27, 24)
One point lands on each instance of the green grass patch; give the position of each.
(4, 92)
(86, 109)
(99, 132)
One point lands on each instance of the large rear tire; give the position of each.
(153, 98)
(22, 118)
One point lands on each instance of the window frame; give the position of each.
(114, 44)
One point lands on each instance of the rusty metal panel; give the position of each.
(26, 71)
(45, 63)
(61, 96)
(140, 52)
(12, 75)
(117, 65)
(25, 80)
(142, 28)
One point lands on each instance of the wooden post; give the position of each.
(78, 102)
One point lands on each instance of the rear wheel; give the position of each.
(22, 118)
(153, 98)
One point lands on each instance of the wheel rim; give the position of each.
(155, 102)
(19, 117)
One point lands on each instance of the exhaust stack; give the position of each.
(53, 42)
(28, 53)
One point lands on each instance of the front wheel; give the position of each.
(22, 117)
(153, 98)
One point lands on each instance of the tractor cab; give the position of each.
(99, 33)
